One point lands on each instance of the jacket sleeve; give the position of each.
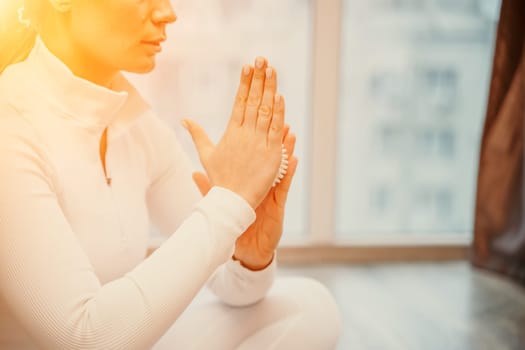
(50, 286)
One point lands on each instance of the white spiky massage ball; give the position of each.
(282, 168)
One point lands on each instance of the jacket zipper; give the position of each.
(108, 177)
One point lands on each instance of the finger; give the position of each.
(256, 92)
(200, 139)
(275, 133)
(264, 114)
(285, 131)
(239, 106)
(282, 189)
(202, 182)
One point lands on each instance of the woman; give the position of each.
(85, 167)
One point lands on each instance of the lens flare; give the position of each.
(16, 39)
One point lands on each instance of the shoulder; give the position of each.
(12, 122)
(14, 80)
(17, 96)
(22, 155)
(18, 138)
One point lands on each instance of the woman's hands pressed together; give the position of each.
(248, 156)
(256, 246)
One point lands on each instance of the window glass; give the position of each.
(414, 85)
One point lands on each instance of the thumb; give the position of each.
(202, 182)
(200, 139)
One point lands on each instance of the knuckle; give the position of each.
(265, 111)
(241, 99)
(270, 84)
(254, 100)
(259, 74)
(275, 128)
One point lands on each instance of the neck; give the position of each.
(78, 61)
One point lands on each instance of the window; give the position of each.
(381, 200)
(387, 98)
(438, 89)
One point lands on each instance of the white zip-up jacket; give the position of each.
(73, 272)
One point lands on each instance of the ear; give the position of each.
(61, 5)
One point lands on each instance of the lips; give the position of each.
(153, 42)
(152, 47)
(156, 41)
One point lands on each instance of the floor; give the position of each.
(423, 306)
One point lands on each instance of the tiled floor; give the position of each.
(423, 306)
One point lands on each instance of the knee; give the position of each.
(319, 312)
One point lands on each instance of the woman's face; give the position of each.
(120, 34)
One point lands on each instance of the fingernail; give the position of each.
(269, 72)
(259, 62)
(185, 124)
(246, 70)
(277, 99)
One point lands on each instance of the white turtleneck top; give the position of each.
(73, 272)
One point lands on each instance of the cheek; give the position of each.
(128, 16)
(114, 43)
(126, 25)
(112, 35)
(113, 26)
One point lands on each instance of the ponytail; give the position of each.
(16, 39)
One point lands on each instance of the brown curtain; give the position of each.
(499, 227)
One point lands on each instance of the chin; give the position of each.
(145, 66)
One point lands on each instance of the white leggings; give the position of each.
(298, 313)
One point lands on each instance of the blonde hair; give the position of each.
(16, 39)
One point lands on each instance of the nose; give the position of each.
(164, 13)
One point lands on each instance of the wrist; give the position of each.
(246, 199)
(255, 264)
